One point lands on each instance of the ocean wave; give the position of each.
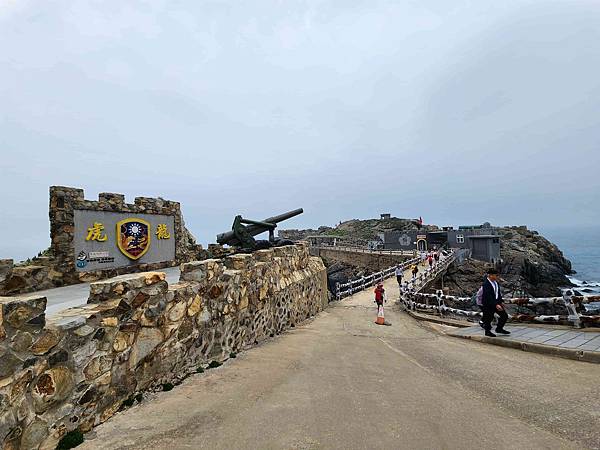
(583, 283)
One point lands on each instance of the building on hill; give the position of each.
(482, 240)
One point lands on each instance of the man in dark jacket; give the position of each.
(492, 304)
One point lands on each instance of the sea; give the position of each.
(581, 246)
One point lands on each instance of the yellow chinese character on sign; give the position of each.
(95, 233)
(162, 232)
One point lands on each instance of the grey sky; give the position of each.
(459, 111)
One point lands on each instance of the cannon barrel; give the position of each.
(230, 239)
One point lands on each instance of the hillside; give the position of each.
(356, 231)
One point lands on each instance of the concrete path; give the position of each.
(342, 382)
(77, 294)
(562, 338)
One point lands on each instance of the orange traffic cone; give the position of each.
(380, 319)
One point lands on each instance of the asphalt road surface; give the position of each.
(342, 382)
(77, 294)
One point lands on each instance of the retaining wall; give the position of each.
(76, 369)
(372, 261)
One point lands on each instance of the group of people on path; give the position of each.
(431, 258)
(488, 297)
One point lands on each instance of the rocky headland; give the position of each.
(531, 265)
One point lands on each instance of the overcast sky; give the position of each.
(458, 111)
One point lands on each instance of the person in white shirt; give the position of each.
(399, 272)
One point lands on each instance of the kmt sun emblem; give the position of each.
(133, 237)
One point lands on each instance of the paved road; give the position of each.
(77, 294)
(342, 382)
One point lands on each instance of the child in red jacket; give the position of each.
(379, 295)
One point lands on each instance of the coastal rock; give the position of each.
(531, 266)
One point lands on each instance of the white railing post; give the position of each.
(440, 302)
(573, 314)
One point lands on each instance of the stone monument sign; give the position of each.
(94, 239)
(110, 240)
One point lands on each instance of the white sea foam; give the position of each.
(584, 284)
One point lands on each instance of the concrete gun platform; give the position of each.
(581, 345)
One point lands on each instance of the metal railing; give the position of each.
(421, 280)
(419, 301)
(349, 248)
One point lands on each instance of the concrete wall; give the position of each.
(76, 369)
(373, 261)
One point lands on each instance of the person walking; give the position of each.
(415, 271)
(430, 260)
(436, 256)
(399, 272)
(491, 303)
(379, 295)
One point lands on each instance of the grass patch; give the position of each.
(214, 364)
(233, 355)
(200, 370)
(70, 440)
(167, 387)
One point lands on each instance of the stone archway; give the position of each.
(422, 245)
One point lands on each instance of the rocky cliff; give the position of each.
(531, 265)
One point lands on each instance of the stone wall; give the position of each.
(58, 269)
(76, 369)
(371, 261)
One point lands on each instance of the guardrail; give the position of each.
(416, 283)
(419, 301)
(359, 284)
(348, 248)
(422, 279)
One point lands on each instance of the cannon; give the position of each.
(243, 231)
